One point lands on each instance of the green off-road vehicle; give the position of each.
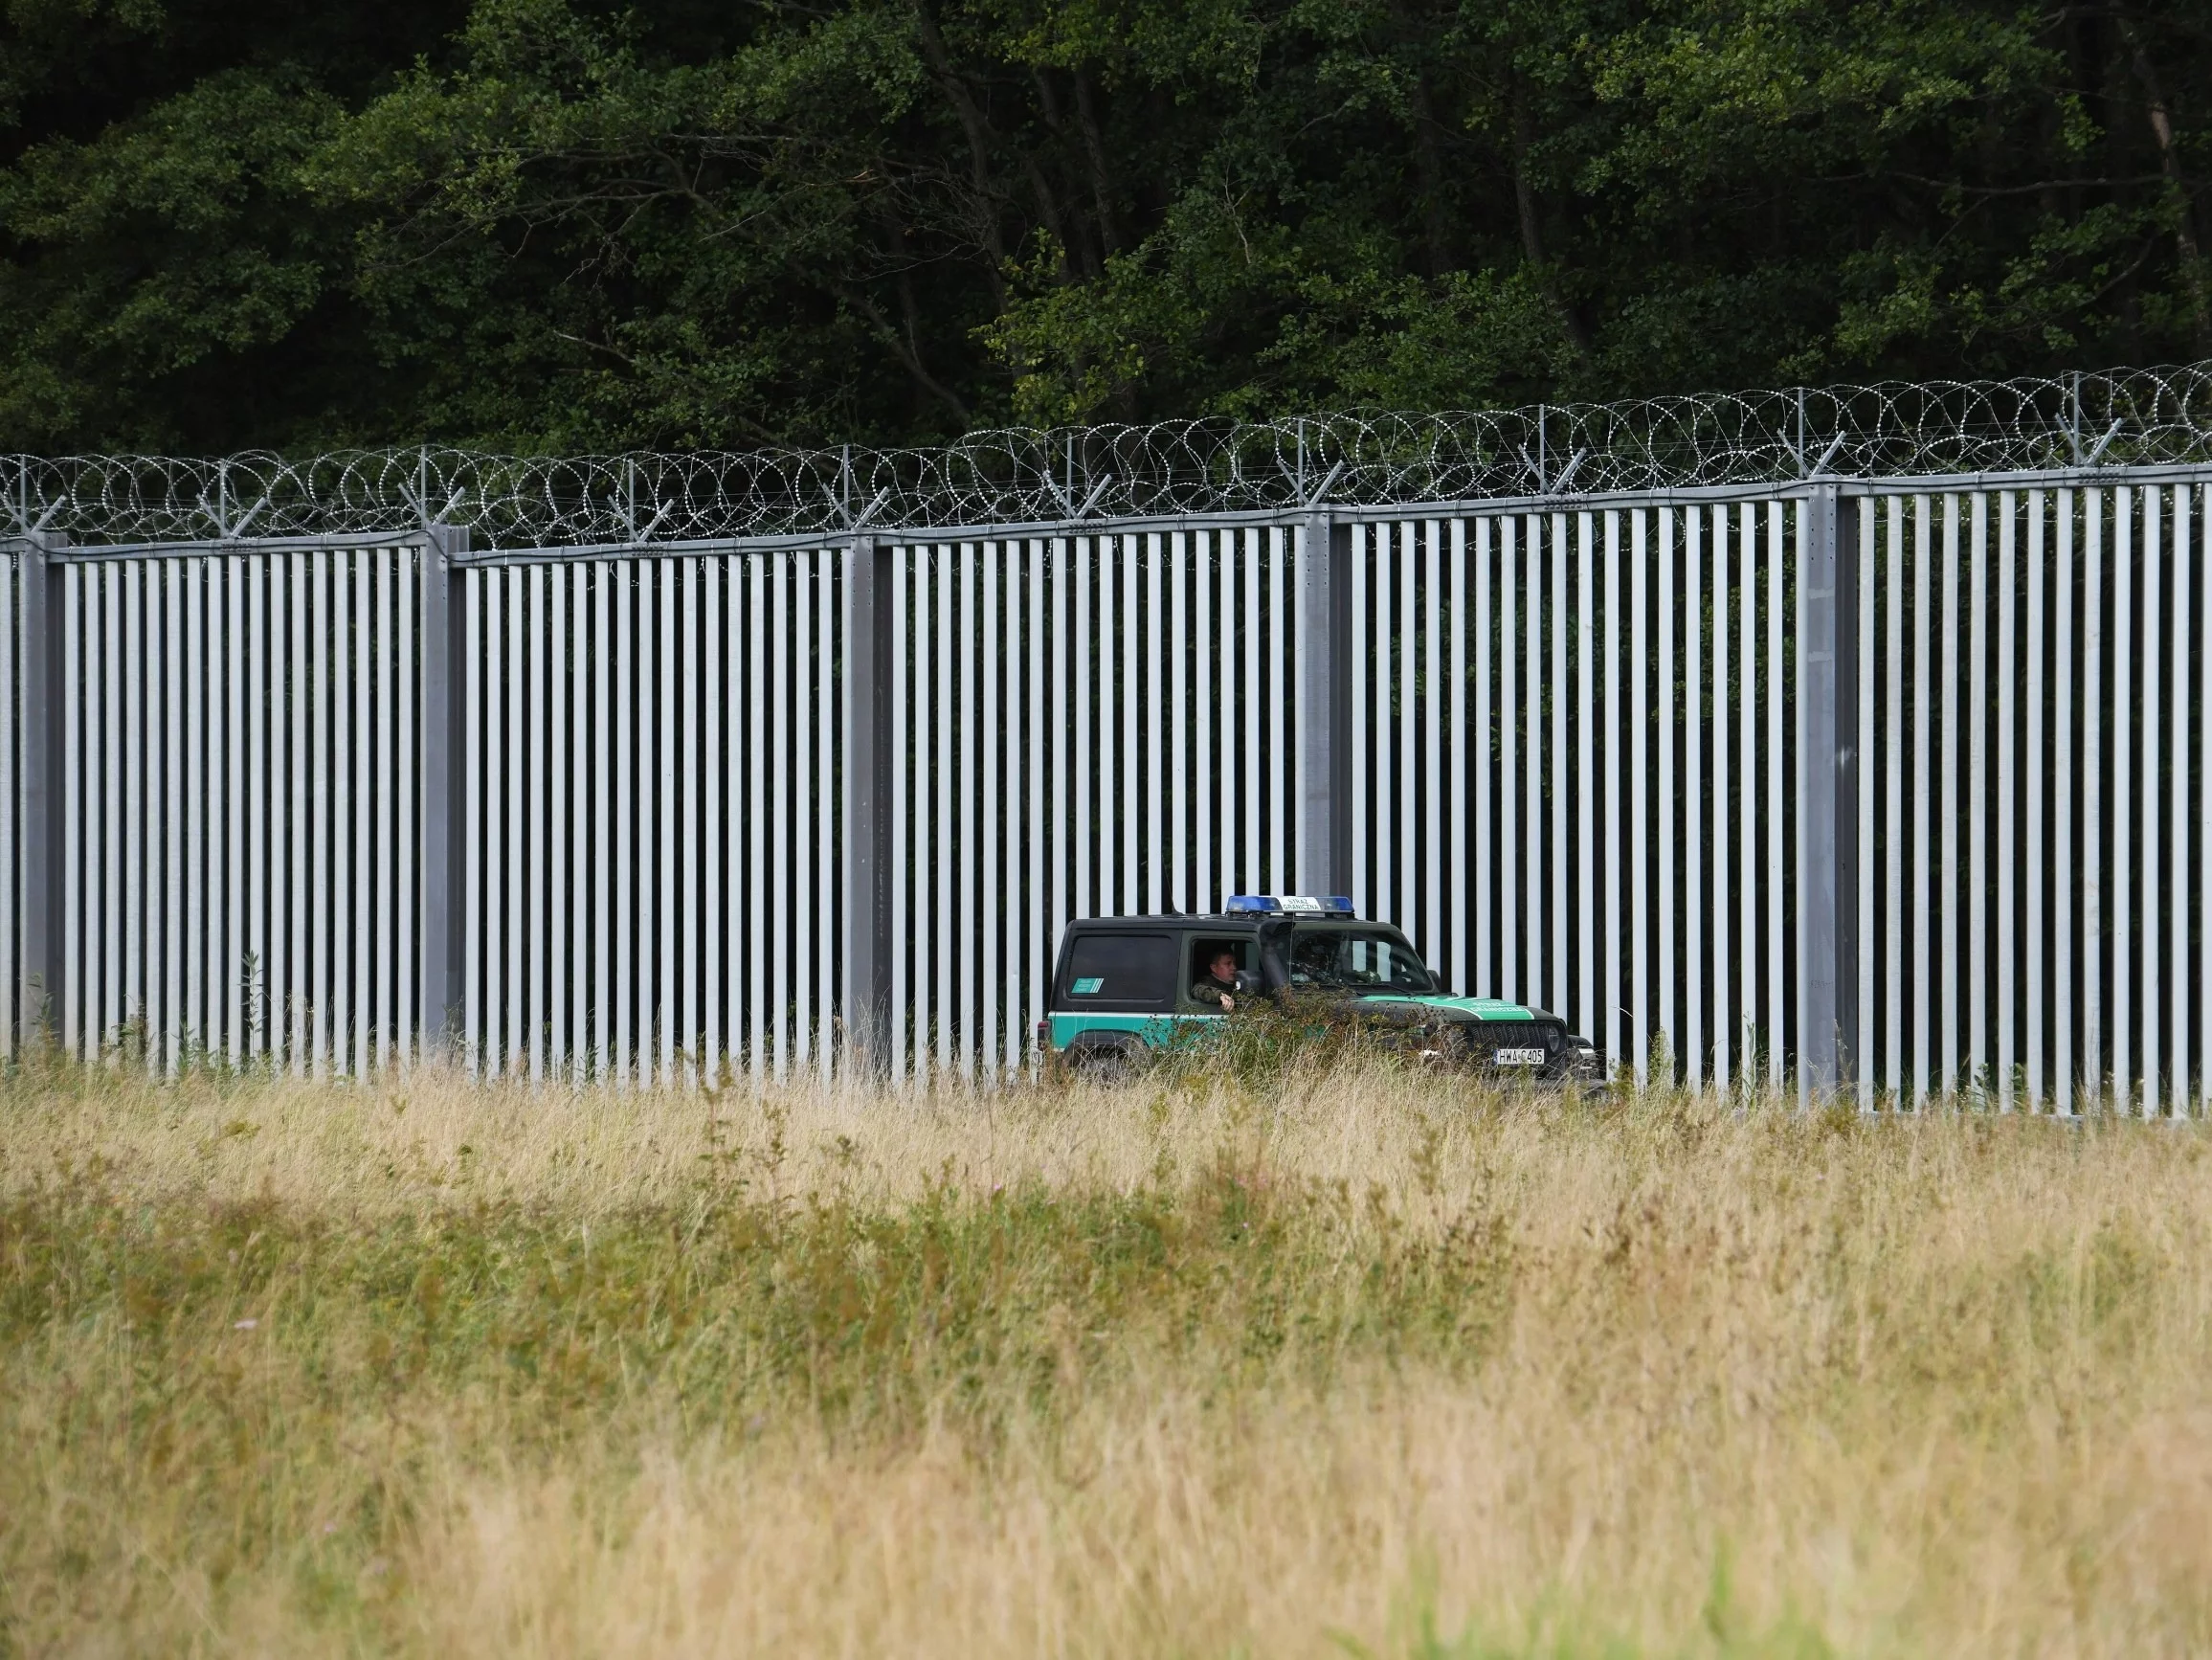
(1127, 988)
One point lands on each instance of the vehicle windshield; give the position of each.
(1357, 959)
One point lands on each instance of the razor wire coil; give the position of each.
(1168, 469)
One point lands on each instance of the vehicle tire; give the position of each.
(1102, 1063)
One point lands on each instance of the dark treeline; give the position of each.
(554, 223)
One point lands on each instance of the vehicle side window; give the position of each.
(1120, 970)
(1200, 952)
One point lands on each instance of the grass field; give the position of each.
(1358, 1363)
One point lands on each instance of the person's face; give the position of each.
(1225, 966)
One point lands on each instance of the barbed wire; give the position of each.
(1189, 467)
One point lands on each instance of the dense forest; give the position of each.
(568, 224)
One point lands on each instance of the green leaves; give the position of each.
(547, 223)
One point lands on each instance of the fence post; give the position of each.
(43, 827)
(868, 793)
(1324, 707)
(444, 706)
(1827, 781)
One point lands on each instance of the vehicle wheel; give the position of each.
(1097, 1064)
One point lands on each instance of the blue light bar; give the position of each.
(1269, 903)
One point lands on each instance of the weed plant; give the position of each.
(1278, 1351)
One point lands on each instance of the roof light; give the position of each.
(1299, 904)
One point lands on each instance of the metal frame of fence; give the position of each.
(1896, 784)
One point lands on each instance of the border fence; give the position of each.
(1851, 737)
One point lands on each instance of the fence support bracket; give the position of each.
(445, 708)
(1324, 698)
(1827, 785)
(868, 796)
(43, 830)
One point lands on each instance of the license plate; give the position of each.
(1519, 1057)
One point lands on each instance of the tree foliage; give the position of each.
(556, 223)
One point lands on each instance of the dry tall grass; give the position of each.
(1368, 1362)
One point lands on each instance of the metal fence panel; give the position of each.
(651, 821)
(238, 756)
(1576, 755)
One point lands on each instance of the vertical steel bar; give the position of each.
(1747, 897)
(132, 1005)
(473, 854)
(556, 888)
(1432, 764)
(1179, 718)
(1616, 852)
(2069, 1038)
(1534, 685)
(970, 739)
(684, 808)
(619, 998)
(1511, 879)
(114, 896)
(407, 752)
(1560, 693)
(2153, 1099)
(361, 1005)
(320, 916)
(1723, 1023)
(1488, 735)
(227, 940)
(1363, 893)
(1862, 1060)
(929, 924)
(1037, 952)
(1106, 790)
(2187, 877)
(667, 1008)
(386, 759)
(1063, 576)
(1077, 570)
(2203, 887)
(1975, 975)
(192, 940)
(991, 836)
(804, 686)
(1279, 678)
(1455, 698)
(1589, 1016)
(778, 809)
(2039, 776)
(533, 670)
(1640, 708)
(299, 715)
(582, 853)
(1406, 739)
(1894, 860)
(1156, 868)
(1696, 983)
(949, 853)
(1668, 620)
(1924, 1050)
(826, 812)
(2007, 1014)
(2122, 956)
(607, 783)
(513, 677)
(1254, 637)
(903, 745)
(1383, 738)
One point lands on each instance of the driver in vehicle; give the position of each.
(1221, 982)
